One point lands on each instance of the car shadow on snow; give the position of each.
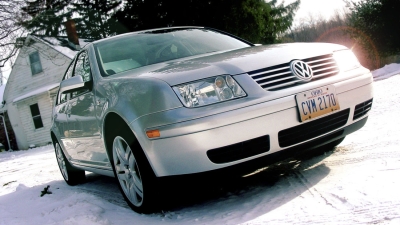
(250, 196)
(244, 198)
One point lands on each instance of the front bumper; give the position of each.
(184, 146)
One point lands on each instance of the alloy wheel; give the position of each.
(127, 171)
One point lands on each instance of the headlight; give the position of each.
(346, 60)
(209, 91)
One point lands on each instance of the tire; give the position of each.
(136, 179)
(71, 175)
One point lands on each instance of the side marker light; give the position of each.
(153, 133)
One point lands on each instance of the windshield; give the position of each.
(140, 49)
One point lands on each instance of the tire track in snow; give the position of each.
(302, 180)
(360, 157)
(114, 198)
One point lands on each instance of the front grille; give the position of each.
(240, 150)
(362, 109)
(280, 76)
(313, 129)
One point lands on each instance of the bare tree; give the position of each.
(10, 28)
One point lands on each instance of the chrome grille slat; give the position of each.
(325, 68)
(272, 76)
(274, 81)
(323, 64)
(319, 60)
(327, 73)
(279, 77)
(270, 71)
(279, 86)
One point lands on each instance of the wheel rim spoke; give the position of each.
(120, 150)
(61, 161)
(137, 185)
(127, 171)
(133, 194)
(136, 179)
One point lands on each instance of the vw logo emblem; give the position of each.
(301, 70)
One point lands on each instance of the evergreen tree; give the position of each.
(95, 17)
(255, 20)
(376, 25)
(47, 16)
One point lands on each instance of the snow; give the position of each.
(67, 51)
(386, 71)
(357, 183)
(36, 92)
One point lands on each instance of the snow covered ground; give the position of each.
(357, 183)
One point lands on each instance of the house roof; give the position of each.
(61, 44)
(36, 92)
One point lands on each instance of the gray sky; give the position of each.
(325, 8)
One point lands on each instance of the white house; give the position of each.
(32, 85)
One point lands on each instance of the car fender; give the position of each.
(132, 98)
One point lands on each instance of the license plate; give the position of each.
(317, 102)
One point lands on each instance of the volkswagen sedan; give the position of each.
(179, 101)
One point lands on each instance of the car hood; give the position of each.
(232, 62)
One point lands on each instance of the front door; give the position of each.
(84, 129)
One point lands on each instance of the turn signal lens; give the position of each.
(153, 133)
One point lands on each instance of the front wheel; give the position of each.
(135, 177)
(71, 175)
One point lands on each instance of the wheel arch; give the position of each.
(53, 137)
(113, 125)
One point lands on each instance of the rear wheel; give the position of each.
(71, 175)
(136, 179)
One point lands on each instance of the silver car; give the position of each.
(191, 100)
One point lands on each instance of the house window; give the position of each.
(36, 66)
(37, 119)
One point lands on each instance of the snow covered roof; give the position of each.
(61, 44)
(36, 92)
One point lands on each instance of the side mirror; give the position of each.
(72, 84)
